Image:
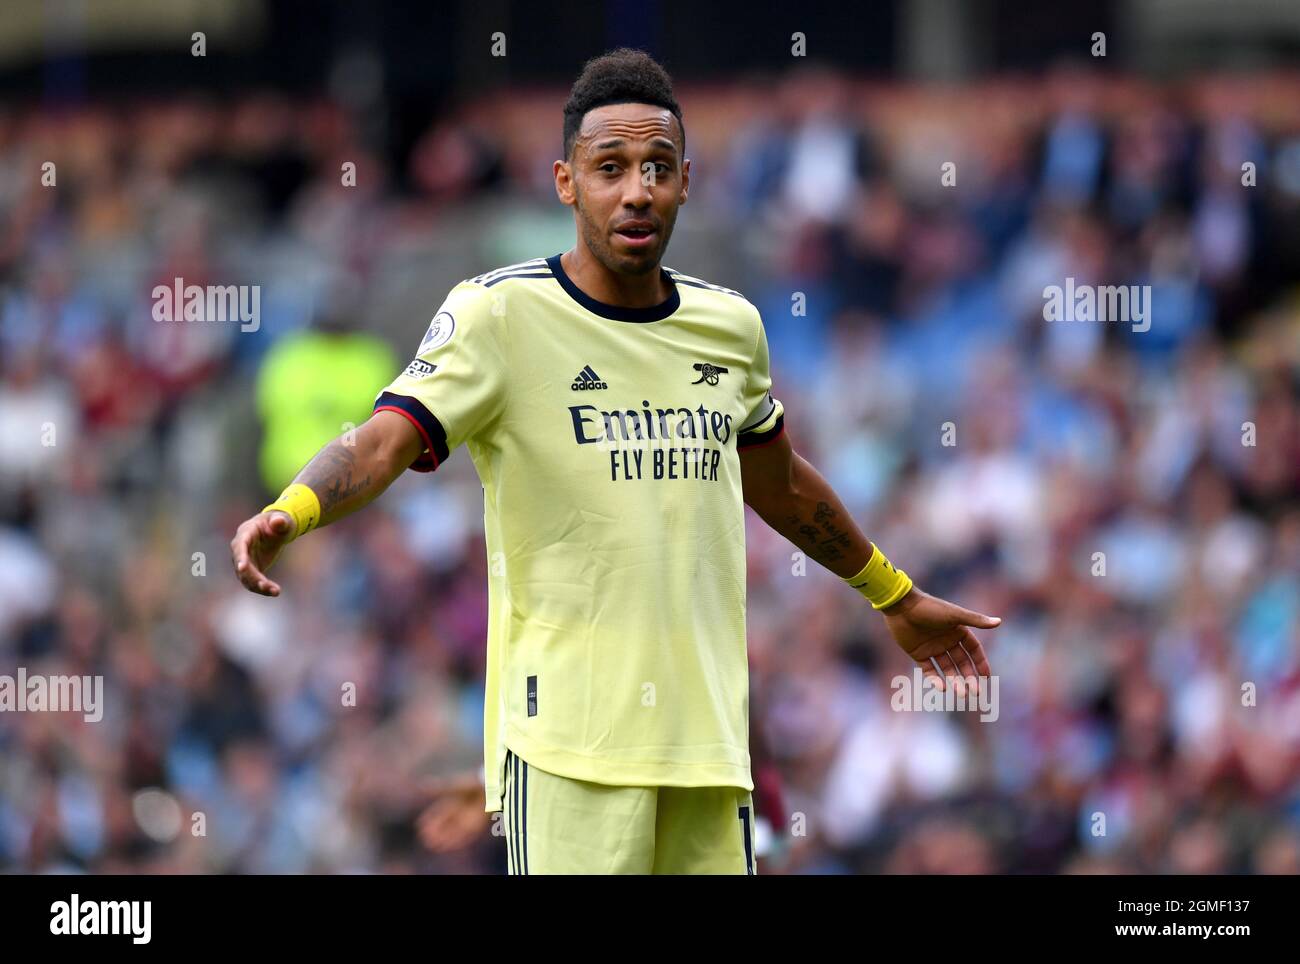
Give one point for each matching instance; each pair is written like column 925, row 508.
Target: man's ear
column 564, row 182
column 686, row 180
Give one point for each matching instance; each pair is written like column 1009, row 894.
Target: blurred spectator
column 1126, row 500
column 314, row 384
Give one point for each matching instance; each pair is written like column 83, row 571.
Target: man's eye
column 608, row 167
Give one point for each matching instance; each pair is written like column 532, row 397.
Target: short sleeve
column 454, row 389
column 764, row 415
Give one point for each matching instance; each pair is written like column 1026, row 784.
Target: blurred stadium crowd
column 894, row 304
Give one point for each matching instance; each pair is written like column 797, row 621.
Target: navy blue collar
column 616, row 312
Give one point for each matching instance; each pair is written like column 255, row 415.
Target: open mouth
column 636, row 235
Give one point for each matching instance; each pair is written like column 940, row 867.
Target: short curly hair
column 622, row 76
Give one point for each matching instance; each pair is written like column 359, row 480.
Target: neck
column 622, row 290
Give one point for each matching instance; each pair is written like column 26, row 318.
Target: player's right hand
column 256, row 544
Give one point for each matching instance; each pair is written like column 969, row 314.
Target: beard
column 600, row 245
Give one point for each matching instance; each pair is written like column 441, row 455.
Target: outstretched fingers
column 929, row 671
column 243, row 553
column 970, row 642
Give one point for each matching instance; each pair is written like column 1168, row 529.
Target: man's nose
column 636, row 192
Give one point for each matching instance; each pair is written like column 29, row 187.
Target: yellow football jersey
column 606, row 439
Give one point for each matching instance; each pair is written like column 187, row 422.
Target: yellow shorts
column 556, row 825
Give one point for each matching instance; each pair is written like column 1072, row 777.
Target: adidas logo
column 587, row 381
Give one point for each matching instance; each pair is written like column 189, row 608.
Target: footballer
column 620, row 416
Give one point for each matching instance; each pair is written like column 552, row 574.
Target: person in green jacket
column 314, row 385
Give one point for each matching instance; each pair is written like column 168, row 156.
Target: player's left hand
column 927, row 627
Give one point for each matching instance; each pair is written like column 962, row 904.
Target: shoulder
column 532, row 269
column 729, row 302
column 717, row 296
column 689, row 281
column 477, row 301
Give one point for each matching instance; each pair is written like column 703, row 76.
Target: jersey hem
column 623, row 773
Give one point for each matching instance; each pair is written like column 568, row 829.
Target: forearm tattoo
column 331, row 476
column 820, row 536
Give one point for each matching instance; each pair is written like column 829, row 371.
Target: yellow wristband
column 879, row 581
column 303, row 507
